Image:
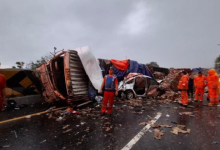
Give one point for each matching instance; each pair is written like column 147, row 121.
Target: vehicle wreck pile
column 159, row 75
column 76, row 75
column 170, row 83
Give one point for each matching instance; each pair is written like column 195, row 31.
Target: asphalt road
column 89, row 130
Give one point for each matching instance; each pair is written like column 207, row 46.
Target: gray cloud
column 173, row 33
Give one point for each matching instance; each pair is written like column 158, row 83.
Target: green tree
column 20, row 64
column 13, row 67
column 153, row 64
column 37, row 63
column 217, row 64
column 43, row 59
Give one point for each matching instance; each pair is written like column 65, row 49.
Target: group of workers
column 200, row 82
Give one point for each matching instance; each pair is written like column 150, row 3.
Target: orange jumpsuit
column 183, row 85
column 109, row 94
column 200, row 83
column 213, row 83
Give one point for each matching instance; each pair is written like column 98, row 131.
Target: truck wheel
column 129, row 95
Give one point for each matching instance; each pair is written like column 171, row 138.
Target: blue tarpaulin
column 134, row 67
column 196, row 69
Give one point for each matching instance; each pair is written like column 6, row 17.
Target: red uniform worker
column 2, row 90
column 183, row 86
column 200, row 82
column 110, row 83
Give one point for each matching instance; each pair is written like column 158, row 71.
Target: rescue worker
column 110, row 85
column 200, row 82
column 183, row 86
column 213, row 84
column 191, row 85
column 2, row 90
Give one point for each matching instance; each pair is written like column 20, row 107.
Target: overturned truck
column 67, row 76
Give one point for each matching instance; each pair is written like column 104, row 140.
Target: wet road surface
column 89, row 130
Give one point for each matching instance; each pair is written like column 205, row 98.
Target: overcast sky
column 173, row 33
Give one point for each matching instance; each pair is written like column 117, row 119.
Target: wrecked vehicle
column 63, row 78
column 137, row 85
column 68, row 76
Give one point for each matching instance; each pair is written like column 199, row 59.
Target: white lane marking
column 141, row 133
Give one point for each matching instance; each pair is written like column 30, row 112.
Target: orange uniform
column 2, row 87
column 213, row 83
column 183, row 85
column 200, row 82
column 110, row 82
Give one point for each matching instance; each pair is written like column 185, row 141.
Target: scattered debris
column 7, row 146
column 180, row 129
column 74, row 112
column 215, row 142
column 70, row 110
column 190, row 106
column 108, row 129
column 59, row 119
column 174, row 122
column 65, row 127
column 28, row 116
column 15, row 134
column 50, row 109
column 166, row 126
column 155, row 125
column 87, row 129
column 168, row 115
column 43, row 141
column 107, row 123
column 144, row 123
column 99, row 98
column 158, row 134
column 139, row 113
column 82, row 123
column 182, row 107
column 50, row 116
column 150, row 117
column 67, row 131
column 186, row 113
